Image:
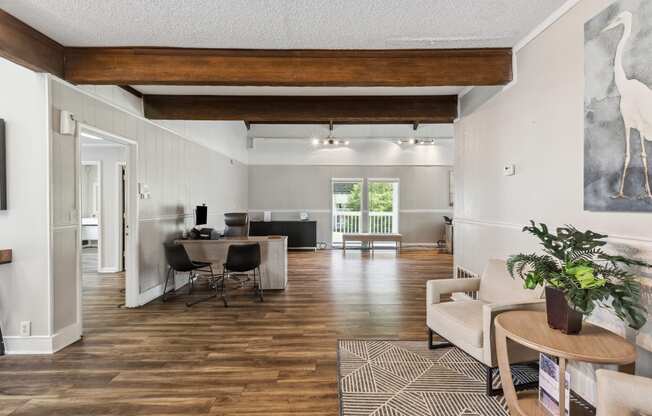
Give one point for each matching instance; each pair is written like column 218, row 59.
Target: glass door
column 346, row 207
column 383, row 206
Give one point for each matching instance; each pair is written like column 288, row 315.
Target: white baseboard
column 157, row 291
column 65, row 337
column 36, row 344
column 42, row 344
column 109, row 270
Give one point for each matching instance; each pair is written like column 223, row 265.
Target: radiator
column 462, row 273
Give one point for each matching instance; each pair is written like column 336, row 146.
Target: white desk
column 273, row 253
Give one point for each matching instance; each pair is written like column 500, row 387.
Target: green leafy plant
column 575, row 263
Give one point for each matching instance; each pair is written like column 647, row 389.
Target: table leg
column 562, row 386
column 344, row 245
column 505, row 371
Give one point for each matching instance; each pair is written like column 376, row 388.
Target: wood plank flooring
column 271, row 358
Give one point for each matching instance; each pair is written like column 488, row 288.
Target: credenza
column 301, row 234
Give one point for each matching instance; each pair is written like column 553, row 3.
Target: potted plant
column 578, row 276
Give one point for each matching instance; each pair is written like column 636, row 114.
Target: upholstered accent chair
column 623, row 394
column 469, row 324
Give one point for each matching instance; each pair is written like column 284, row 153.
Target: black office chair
column 179, row 261
column 242, row 258
column 237, row 224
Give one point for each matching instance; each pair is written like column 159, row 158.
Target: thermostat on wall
column 509, row 170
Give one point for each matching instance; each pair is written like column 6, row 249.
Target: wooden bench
column 371, row 238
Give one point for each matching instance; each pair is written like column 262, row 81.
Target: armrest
column 489, row 313
column 436, row 288
column 623, row 394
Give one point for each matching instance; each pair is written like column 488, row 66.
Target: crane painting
column 618, row 108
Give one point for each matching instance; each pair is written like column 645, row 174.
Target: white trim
column 327, row 211
column 501, row 224
column 66, row 336
column 108, row 270
column 42, row 344
column 138, row 116
column 334, row 164
column 427, row 211
column 36, row 344
column 550, row 20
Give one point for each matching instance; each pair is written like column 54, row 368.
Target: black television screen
column 201, row 215
column 3, row 167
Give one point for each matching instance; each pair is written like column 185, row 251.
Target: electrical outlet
column 25, row 328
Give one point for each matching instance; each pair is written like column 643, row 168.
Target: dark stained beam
column 28, row 47
column 304, row 109
column 131, row 90
column 178, row 66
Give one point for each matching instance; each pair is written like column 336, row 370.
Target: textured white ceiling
column 284, row 24
column 227, row 90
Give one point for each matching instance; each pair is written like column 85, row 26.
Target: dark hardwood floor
column 271, row 358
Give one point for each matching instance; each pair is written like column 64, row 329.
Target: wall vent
column 462, row 273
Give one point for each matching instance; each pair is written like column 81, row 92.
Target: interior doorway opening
column 107, row 192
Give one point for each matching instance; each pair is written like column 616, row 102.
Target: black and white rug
column 405, row 378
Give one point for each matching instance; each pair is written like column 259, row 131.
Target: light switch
column 509, row 170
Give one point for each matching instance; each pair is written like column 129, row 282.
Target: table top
column 593, row 344
column 223, row 240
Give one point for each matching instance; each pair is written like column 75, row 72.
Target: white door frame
column 131, row 262
column 332, row 208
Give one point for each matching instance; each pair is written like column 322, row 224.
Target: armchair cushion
column 623, row 394
column 497, row 286
column 458, row 321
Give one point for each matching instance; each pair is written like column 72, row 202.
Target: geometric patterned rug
column 405, row 378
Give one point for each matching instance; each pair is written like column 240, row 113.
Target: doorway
column 109, row 264
column 346, row 207
column 383, row 197
column 364, row 205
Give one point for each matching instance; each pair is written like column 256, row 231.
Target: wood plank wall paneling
column 398, row 68
column 303, row 109
column 30, row 48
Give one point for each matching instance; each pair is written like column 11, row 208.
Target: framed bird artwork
column 618, row 108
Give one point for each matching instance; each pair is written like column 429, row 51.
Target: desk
column 530, row 328
column 273, row 252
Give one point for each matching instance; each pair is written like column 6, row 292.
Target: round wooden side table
column 530, row 329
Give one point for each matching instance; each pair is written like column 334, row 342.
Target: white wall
column 369, row 145
column 179, row 173
column 226, row 137
column 109, row 156
column 289, row 190
column 538, row 125
column 24, row 288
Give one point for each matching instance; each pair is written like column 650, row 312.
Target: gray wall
column 288, row 190
column 538, row 124
column 180, row 174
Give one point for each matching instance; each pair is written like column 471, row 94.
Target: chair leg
column 490, row 383
column 433, row 346
column 191, row 286
column 260, row 285
column 165, row 293
column 224, row 294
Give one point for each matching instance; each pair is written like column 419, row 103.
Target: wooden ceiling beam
column 364, row 68
column 28, row 47
column 304, row 109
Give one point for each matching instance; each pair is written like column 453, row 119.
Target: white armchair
column 623, row 394
column 469, row 324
